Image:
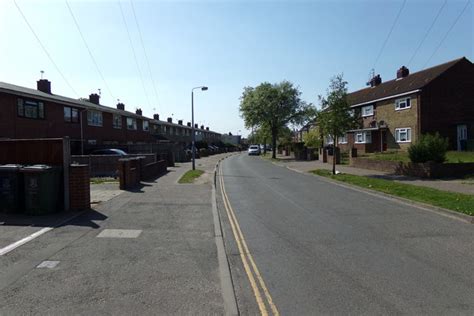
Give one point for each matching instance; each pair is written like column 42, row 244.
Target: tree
column 272, row 107
column 312, row 138
column 336, row 117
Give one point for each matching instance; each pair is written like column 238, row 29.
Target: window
column 329, row 140
column 131, row 123
column 367, row 110
column 343, row 139
column 30, row 109
column 402, row 104
column 117, row 121
column 145, row 126
column 94, row 118
column 403, row 135
column 71, row 115
column 363, row 137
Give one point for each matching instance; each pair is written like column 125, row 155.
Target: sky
column 225, row 45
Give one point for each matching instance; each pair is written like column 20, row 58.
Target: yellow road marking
column 241, row 243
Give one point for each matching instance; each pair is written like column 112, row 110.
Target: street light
column 203, row 88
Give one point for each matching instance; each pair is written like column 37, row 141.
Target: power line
column 134, row 54
column 389, row 33
column 44, row 49
column 427, row 32
column 144, row 50
column 88, row 49
column 447, row 33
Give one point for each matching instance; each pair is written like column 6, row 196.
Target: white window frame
column 131, row 123
column 117, row 121
column 94, row 118
column 145, row 126
column 406, row 130
column 366, row 137
column 365, row 108
column 405, row 101
column 329, row 140
column 342, row 139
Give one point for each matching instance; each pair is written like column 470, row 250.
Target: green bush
column 429, row 148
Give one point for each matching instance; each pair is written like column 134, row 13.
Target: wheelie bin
column 42, row 189
column 11, row 186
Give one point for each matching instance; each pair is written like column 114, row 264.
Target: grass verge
column 451, row 156
column 462, row 203
column 190, row 176
column 103, row 180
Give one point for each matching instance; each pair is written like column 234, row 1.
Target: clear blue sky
column 225, row 45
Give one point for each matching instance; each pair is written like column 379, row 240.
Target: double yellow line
column 247, row 260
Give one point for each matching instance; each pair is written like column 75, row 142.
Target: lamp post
column 203, row 88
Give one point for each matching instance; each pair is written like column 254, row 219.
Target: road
column 317, row 247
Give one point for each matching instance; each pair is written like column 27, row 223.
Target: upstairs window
column 94, row 118
column 329, row 140
column 71, row 115
column 343, row 139
column 146, row 126
column 131, row 123
column 30, row 109
column 367, row 110
column 402, row 104
column 117, row 121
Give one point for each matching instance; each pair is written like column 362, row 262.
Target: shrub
column 429, row 148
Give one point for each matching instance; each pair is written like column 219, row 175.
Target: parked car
column 254, row 150
column 110, row 151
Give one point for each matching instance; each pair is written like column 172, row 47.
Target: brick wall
column 79, row 184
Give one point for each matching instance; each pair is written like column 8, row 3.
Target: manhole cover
column 119, row 233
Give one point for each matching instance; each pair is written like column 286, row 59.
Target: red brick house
column 30, row 113
column 394, row 113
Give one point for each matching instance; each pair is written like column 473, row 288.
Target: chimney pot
column 402, row 72
column 120, row 106
column 202, row 126
column 180, row 122
column 196, row 126
column 189, row 124
column 170, row 120
column 375, row 81
column 156, row 117
column 207, row 128
column 44, row 85
column 94, row 98
column 138, row 112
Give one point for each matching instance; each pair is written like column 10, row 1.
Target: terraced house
column 38, row 113
column 393, row 114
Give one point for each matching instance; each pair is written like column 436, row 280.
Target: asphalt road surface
column 314, row 247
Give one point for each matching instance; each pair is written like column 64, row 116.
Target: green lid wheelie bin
column 10, row 188
column 42, row 189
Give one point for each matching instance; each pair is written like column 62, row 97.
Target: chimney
column 207, row 128
column 94, row 98
column 138, row 112
column 156, row 117
column 189, row 124
column 375, row 81
column 120, row 106
column 402, row 72
column 202, row 126
column 180, row 122
column 44, row 85
column 170, row 120
column 196, row 126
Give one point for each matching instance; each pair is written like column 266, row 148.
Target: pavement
column 149, row 251
column 453, row 185
column 321, row 248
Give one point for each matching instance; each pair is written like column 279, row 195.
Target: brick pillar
column 122, row 167
column 352, row 154
column 79, row 187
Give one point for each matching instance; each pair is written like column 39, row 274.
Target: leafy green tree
column 272, row 107
column 312, row 138
column 429, row 148
column 336, row 117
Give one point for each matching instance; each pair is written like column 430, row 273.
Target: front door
column 462, row 137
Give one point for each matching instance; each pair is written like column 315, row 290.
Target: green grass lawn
column 451, row 156
column 458, row 202
column 190, row 176
column 103, row 180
